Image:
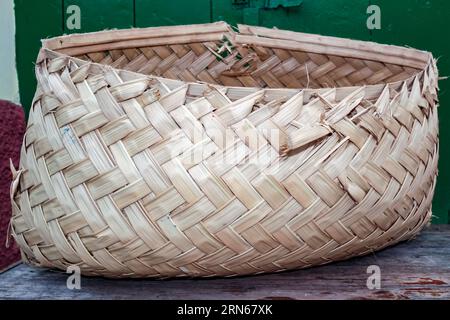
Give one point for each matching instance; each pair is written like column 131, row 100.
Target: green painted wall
column 164, row 12
column 35, row 20
column 417, row 23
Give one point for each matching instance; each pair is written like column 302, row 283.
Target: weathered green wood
column 336, row 18
column 164, row 12
column 226, row 11
column 35, row 20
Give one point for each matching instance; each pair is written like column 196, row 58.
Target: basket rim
column 371, row 92
column 80, row 43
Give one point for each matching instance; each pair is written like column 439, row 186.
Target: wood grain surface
column 417, row 269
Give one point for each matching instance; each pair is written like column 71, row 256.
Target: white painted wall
column 9, row 88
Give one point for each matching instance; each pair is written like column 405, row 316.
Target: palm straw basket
column 202, row 151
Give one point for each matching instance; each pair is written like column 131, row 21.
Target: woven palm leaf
column 203, row 151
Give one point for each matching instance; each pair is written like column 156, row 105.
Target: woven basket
column 203, row 151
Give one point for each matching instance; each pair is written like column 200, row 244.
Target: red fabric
column 12, row 129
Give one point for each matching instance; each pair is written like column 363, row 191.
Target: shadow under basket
column 203, row 151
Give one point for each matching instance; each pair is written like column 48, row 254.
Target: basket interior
column 251, row 57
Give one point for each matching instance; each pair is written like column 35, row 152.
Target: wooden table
column 418, row 269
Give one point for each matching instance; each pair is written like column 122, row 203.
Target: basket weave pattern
column 131, row 175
